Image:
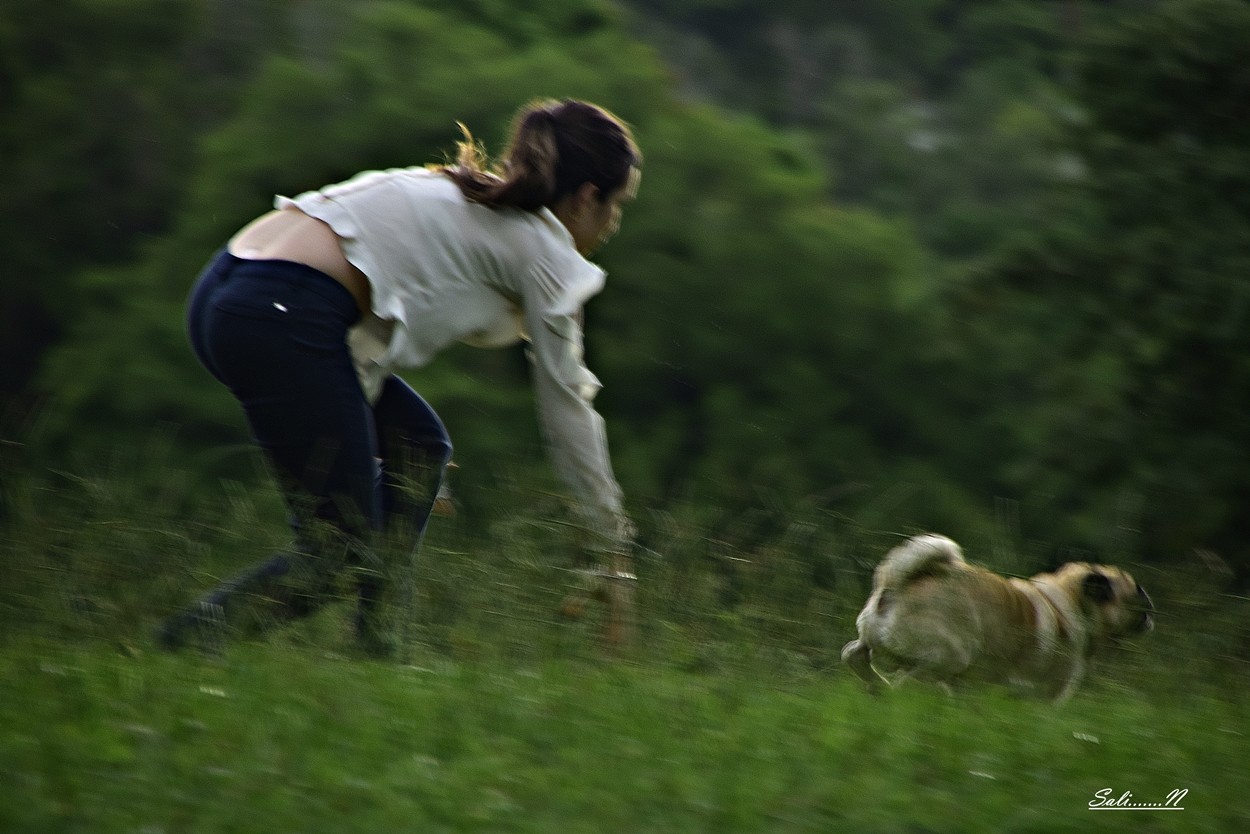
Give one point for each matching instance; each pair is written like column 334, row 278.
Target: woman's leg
column 415, row 449
column 275, row 333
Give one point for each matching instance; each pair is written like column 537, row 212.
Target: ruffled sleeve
column 565, row 390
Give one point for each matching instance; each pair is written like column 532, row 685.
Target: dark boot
column 373, row 636
column 286, row 587
column 202, row 621
column 407, row 510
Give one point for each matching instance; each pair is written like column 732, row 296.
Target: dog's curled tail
column 919, row 556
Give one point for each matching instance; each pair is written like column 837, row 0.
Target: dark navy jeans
column 274, row 332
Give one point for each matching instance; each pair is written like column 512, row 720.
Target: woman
column 309, row 308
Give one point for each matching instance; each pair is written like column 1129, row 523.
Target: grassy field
column 275, row 738
column 730, row 714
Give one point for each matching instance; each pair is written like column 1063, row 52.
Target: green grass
column 280, row 739
column 730, row 714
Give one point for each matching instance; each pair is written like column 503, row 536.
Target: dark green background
column 972, row 266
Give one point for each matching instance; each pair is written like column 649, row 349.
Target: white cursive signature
column 1104, row 801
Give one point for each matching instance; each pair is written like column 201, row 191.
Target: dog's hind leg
column 858, row 656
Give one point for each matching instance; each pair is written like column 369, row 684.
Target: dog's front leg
column 1075, row 676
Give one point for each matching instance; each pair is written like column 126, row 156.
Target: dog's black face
column 1123, row 605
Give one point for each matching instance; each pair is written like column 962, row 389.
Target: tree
column 99, row 104
column 1129, row 313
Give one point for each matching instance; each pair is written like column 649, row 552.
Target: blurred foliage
column 1129, row 310
column 972, row 266
column 102, row 103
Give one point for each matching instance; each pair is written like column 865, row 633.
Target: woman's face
column 591, row 218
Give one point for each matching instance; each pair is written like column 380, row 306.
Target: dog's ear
column 1097, row 587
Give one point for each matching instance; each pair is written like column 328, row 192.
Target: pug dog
column 933, row 616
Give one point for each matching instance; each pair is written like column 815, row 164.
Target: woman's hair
column 555, row 147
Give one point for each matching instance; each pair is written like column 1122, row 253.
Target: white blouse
column 444, row 269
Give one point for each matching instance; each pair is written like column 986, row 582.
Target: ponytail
column 555, row 147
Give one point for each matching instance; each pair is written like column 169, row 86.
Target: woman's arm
column 564, row 390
